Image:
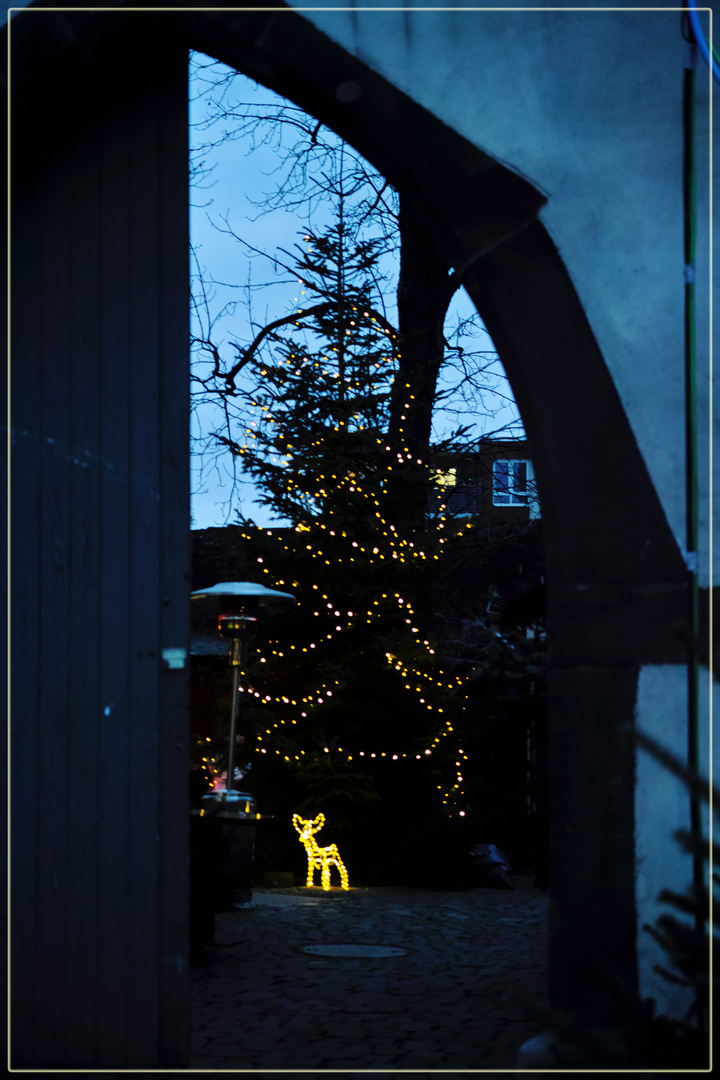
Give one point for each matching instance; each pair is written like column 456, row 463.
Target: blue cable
column 700, row 38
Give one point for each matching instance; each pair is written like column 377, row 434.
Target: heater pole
column 238, row 656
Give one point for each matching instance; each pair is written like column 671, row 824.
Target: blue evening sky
column 241, row 174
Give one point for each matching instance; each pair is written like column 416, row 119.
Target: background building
column 497, row 482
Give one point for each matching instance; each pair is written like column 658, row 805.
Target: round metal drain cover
column 352, row 950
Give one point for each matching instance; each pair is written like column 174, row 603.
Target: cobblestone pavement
column 260, row 1003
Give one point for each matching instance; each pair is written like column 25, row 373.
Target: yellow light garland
column 403, row 550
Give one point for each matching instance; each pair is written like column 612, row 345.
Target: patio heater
column 239, row 604
column 223, row 830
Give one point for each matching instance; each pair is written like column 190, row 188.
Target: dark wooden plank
column 84, row 642
column 25, row 599
column 53, row 662
column 175, row 562
column 143, row 630
column 114, row 764
column 55, row 669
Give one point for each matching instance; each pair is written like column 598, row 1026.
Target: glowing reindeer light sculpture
column 319, row 858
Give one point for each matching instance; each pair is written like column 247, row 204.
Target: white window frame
column 516, row 492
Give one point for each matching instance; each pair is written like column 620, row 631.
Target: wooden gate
column 99, row 547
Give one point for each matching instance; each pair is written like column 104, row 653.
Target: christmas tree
column 345, row 706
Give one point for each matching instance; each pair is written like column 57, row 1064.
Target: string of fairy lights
column 431, row 691
column 405, row 550
column 401, row 549
column 298, row 365
column 418, row 683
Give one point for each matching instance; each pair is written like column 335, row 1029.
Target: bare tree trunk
column 424, row 292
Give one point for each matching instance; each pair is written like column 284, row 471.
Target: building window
column 446, row 479
column 512, row 483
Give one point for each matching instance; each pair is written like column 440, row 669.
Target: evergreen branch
column 684, row 903
column 229, row 443
column 668, row 975
column 701, row 844
column 695, row 783
column 246, row 355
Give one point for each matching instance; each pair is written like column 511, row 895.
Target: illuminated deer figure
column 319, row 858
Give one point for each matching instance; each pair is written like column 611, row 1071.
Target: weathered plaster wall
column 587, row 106
column 661, row 807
